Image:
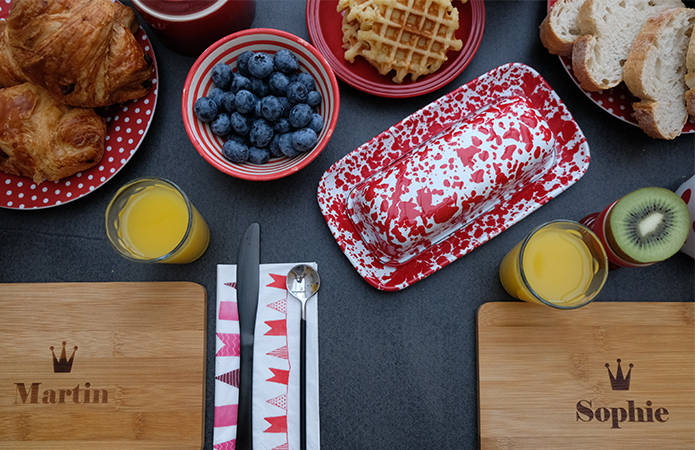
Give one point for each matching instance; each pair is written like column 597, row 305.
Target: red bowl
column 199, row 83
column 196, row 24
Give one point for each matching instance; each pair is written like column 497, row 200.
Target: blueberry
column 307, row 80
column 304, row 139
column 314, row 98
column 278, row 83
column 222, row 75
column 261, row 133
column 240, row 82
column 286, row 147
column 243, row 140
column 205, row 109
column 243, row 61
column 221, row 125
column 287, row 106
column 259, row 87
column 240, row 123
column 285, row 61
column 273, row 147
column 297, row 92
column 317, row 123
column 259, row 155
column 216, row 95
column 282, row 125
column 257, row 110
column 260, row 65
column 271, row 109
column 300, row 115
column 235, row 151
column 245, row 101
column 227, row 102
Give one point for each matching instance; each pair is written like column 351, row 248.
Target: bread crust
column 636, row 71
column 689, row 77
column 553, row 43
column 551, row 29
column 593, row 28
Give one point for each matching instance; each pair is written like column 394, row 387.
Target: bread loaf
column 655, row 70
column 608, row 29
column 560, row 29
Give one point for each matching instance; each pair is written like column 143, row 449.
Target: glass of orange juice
column 560, row 263
column 152, row 220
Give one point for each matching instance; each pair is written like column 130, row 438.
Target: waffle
column 407, row 36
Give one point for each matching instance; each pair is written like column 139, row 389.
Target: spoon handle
column 303, row 384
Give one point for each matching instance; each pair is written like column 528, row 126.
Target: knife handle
column 303, row 384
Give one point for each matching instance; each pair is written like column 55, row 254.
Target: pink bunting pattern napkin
column 276, row 392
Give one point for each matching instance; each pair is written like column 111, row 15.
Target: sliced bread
column 655, row 71
column 559, row 28
column 689, row 78
column 608, row 29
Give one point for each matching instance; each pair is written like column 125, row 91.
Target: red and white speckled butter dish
column 441, row 118
column 451, row 179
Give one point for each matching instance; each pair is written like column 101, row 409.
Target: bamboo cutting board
column 130, row 375
column 550, row 379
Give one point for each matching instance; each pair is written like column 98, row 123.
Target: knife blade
column 247, row 305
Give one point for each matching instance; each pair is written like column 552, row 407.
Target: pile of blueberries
column 266, row 109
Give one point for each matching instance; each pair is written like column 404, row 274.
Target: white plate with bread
column 630, row 57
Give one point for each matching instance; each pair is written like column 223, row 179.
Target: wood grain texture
column 137, row 380
column 536, row 364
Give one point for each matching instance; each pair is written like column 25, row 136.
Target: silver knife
column 247, row 304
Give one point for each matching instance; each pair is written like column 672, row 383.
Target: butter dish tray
column 509, row 80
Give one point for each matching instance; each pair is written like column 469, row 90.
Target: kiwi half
column 648, row 225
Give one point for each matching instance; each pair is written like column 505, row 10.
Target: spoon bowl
column 303, row 283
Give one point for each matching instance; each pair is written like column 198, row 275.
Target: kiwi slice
column 648, row 225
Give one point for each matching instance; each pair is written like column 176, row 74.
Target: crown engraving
column 63, row 365
column 619, row 382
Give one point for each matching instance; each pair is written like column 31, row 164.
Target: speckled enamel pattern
column 451, row 179
column 514, row 79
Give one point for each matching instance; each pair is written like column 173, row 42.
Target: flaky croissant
column 10, row 72
column 81, row 51
column 42, row 138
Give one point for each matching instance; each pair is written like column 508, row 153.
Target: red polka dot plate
column 617, row 101
column 126, row 124
column 324, row 26
column 504, row 82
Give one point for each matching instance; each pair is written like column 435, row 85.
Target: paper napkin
column 276, row 391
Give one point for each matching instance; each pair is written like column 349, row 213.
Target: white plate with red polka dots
column 617, row 101
column 126, row 126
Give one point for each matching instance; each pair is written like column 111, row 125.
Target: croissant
column 42, row 138
column 10, row 72
column 83, row 52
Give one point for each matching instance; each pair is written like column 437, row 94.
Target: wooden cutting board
column 545, row 376
column 132, row 375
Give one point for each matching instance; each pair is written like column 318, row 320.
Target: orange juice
column 152, row 220
column 560, row 263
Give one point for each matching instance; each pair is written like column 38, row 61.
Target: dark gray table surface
column 397, row 369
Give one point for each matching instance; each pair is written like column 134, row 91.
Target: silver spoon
column 303, row 282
